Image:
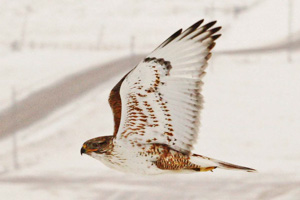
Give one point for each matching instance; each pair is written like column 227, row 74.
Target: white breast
column 130, row 161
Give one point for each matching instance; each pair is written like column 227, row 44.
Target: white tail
column 211, row 163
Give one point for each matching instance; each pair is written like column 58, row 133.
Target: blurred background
column 59, row 60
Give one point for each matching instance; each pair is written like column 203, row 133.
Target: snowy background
column 59, row 60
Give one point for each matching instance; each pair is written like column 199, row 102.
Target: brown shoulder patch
column 116, row 104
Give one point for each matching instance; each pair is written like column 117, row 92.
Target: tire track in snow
column 42, row 103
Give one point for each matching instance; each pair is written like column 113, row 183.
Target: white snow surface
column 251, row 113
column 264, row 24
column 250, row 118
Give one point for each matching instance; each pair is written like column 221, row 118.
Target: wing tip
column 180, row 34
column 214, row 30
column 171, row 38
column 209, row 25
column 215, row 37
column 197, row 24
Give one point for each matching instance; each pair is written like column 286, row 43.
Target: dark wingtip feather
column 214, row 30
column 176, row 34
column 191, row 28
column 197, row 24
column 208, row 25
column 214, row 37
column 172, row 37
column 205, row 27
column 180, row 35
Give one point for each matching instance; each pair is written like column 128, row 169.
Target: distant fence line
column 17, row 45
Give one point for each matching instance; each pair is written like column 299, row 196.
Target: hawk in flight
column 156, row 108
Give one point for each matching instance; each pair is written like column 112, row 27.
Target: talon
column 208, row 169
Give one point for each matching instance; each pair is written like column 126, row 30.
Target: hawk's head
column 98, row 145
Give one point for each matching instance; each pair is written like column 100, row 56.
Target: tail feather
column 206, row 162
column 226, row 165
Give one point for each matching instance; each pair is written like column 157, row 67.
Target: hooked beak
column 84, row 150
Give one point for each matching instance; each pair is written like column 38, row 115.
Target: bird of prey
column 156, row 108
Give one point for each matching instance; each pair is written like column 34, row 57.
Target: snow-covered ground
column 251, row 114
column 265, row 24
column 251, row 118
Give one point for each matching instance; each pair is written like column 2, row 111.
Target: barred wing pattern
column 161, row 98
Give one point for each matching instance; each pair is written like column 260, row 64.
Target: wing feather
column 161, row 97
column 115, row 103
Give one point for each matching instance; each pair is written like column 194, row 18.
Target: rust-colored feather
column 116, row 104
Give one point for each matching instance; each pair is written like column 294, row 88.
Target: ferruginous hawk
column 156, row 109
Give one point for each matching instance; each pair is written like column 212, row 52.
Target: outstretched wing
column 161, row 98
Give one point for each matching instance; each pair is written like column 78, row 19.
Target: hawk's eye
column 95, row 145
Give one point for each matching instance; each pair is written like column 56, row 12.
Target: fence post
column 290, row 37
column 25, row 26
